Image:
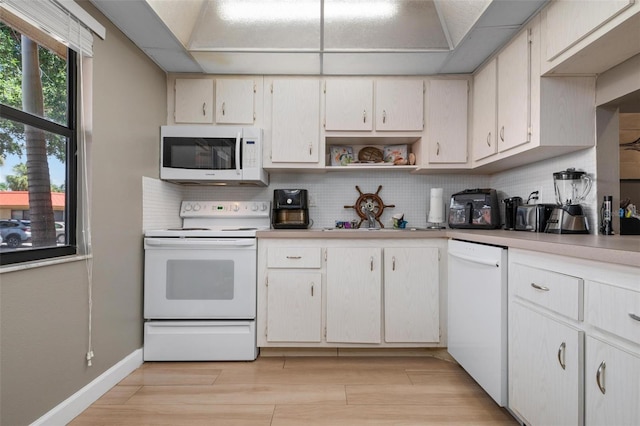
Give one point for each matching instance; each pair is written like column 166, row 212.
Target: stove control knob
column 263, row 206
column 196, row 207
column 187, row 207
column 254, row 207
column 235, row 208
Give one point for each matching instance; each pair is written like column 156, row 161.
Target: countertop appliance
column 474, row 208
column 477, row 314
column 510, row 210
column 200, row 283
column 568, row 217
column 203, row 154
column 533, row 217
column 290, row 209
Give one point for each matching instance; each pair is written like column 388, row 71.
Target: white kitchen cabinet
column 545, row 368
column 193, row 100
column 546, row 294
column 447, row 121
column 354, row 294
column 514, row 92
column 295, row 121
column 349, row 104
column 411, row 294
column 612, row 385
column 235, row 101
column 537, row 117
column 294, row 306
column 484, row 142
column 399, row 105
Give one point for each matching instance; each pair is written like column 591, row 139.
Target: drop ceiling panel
column 383, row 63
column 258, row 63
column 258, row 25
column 376, row 24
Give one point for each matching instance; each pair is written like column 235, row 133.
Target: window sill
column 43, row 263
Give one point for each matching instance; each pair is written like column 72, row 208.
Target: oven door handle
column 197, row 243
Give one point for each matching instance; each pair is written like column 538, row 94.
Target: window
column 37, row 141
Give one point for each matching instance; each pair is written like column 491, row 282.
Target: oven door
column 202, row 278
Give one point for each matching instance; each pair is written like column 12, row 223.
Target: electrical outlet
column 312, row 201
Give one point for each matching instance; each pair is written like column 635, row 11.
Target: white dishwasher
column 477, row 314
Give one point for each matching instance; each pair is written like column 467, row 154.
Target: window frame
column 71, row 175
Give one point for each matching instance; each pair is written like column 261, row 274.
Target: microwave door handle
column 238, row 141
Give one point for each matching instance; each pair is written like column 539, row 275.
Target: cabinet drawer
column 613, row 309
column 552, row 290
column 294, row 257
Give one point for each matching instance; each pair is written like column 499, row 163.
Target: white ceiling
column 319, row 37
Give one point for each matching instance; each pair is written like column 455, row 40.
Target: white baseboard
column 68, row 409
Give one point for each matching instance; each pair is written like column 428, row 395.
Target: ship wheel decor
column 370, row 202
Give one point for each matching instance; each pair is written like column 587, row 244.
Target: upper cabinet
column 349, row 104
column 235, row 101
column 537, row 117
column 193, row 100
column 399, row 105
column 447, row 121
column 589, row 37
column 293, row 113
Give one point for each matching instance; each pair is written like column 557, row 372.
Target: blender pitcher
column 571, row 186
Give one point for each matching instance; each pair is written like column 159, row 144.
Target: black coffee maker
column 290, row 209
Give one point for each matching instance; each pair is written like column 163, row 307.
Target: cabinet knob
column 204, row 108
column 489, row 139
column 364, row 116
column 393, row 263
column 539, row 287
column 384, row 116
column 437, row 148
column 634, row 316
column 223, row 108
column 372, row 263
column 502, row 133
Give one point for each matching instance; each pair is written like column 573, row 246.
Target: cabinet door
column 349, row 104
column 411, row 302
column 295, row 122
column 484, row 141
column 448, row 121
column 354, row 278
column 234, row 101
column 399, row 105
column 193, row 100
column 545, row 369
column 514, row 93
column 612, row 385
column 294, row 306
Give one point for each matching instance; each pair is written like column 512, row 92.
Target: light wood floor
column 298, row 391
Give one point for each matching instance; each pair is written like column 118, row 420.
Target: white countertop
column 618, row 249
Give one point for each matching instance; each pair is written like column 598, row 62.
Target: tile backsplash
column 330, row 192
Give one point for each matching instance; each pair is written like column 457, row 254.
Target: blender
column 568, row 216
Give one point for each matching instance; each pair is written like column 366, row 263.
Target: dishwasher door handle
column 481, row 261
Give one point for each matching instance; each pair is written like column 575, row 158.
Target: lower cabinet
column 341, row 293
column 612, row 385
column 574, row 341
column 294, row 306
column 545, row 368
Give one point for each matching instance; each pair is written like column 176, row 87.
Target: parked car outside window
column 60, row 233
column 14, row 233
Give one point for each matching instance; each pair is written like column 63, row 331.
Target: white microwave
column 212, row 154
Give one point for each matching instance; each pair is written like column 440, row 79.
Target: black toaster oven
column 474, row 208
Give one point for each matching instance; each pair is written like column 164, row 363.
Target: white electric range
column 200, row 283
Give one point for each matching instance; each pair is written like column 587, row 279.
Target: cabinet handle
column 294, row 257
column 223, row 108
column 393, row 263
column 372, row 263
column 634, row 316
column 539, row 287
column 561, row 355
column 384, row 116
column 600, row 377
column 437, row 148
column 489, row 139
column 311, row 289
column 204, row 108
column 502, row 133
column 310, row 149
column 364, row 116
